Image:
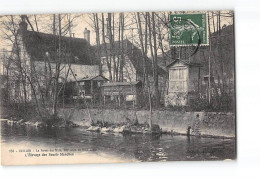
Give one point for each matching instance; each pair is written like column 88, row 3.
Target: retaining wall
column 211, row 123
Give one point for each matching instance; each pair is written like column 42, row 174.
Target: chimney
column 87, row 35
column 23, row 25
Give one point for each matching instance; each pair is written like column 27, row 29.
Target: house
column 184, row 81
column 122, row 61
column 38, row 54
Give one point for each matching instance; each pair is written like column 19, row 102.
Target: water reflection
column 138, row 146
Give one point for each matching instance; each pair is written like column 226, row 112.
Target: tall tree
column 97, row 30
column 57, row 69
column 144, row 51
column 155, row 64
column 107, row 60
column 122, row 59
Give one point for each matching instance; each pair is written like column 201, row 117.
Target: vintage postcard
column 117, row 87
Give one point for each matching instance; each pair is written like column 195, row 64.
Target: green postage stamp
column 188, row 29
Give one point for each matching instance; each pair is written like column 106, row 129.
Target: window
column 81, row 83
column 178, row 80
column 82, row 93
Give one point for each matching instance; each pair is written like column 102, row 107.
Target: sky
column 84, row 21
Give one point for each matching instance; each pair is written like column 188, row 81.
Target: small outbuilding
column 88, row 87
column 183, row 82
column 120, row 92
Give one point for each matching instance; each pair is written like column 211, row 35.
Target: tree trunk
column 144, row 65
column 57, row 72
column 96, row 23
column 155, row 65
column 122, row 61
column 105, row 45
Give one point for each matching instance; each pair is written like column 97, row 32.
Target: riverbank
column 211, row 124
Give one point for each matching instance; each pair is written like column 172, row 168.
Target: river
column 127, row 148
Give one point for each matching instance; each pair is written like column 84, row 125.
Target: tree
column 155, row 64
column 144, row 51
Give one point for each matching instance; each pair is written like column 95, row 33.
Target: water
column 138, row 147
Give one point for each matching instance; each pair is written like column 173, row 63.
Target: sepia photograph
column 117, row 87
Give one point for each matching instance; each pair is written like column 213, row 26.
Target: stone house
column 38, row 59
column 78, row 61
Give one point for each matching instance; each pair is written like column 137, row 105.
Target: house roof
column 93, row 78
column 121, row 83
column 41, row 46
column 134, row 54
column 185, row 62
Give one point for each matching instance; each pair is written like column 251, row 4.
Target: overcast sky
column 83, row 21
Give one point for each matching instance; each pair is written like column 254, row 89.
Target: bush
column 198, row 104
column 20, row 111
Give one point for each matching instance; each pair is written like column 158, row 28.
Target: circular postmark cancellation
column 188, row 30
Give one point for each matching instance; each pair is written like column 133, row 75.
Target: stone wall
column 211, row 123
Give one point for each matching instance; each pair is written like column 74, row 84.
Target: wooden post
column 199, row 81
column 125, row 100
column 209, row 80
column 91, row 90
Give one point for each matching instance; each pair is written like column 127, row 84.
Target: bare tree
column 97, row 30
column 144, row 51
column 155, row 64
column 108, row 61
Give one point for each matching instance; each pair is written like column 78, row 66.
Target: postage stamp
column 188, row 29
